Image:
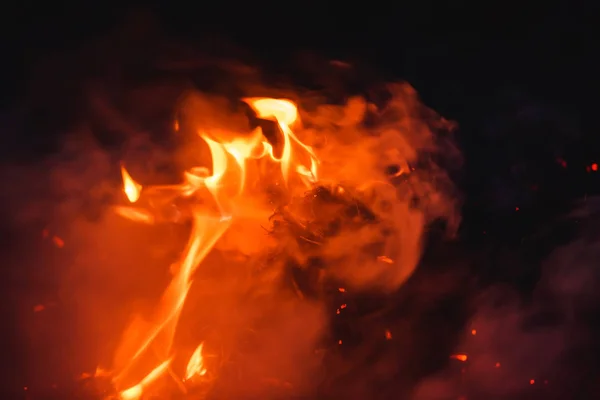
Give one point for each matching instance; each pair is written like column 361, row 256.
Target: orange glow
column 58, row 242
column 224, row 189
column 473, row 332
column 385, row 259
column 388, row 334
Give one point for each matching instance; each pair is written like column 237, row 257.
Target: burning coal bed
column 325, row 207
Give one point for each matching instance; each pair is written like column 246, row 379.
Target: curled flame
column 225, row 186
column 285, row 113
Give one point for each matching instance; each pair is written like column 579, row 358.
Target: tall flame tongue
column 225, row 186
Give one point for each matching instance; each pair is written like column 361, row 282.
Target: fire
column 224, row 189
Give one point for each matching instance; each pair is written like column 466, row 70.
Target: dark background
column 520, row 79
column 517, row 77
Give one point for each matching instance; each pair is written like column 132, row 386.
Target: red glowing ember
column 459, row 357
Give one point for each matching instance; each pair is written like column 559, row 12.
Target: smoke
column 365, row 141
column 537, row 346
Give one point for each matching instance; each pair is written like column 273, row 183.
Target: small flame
column 195, row 366
column 132, row 188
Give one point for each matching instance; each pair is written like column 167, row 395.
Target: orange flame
column 132, row 189
column 225, row 186
column 196, row 364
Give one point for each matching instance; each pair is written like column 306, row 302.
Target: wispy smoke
column 533, row 347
